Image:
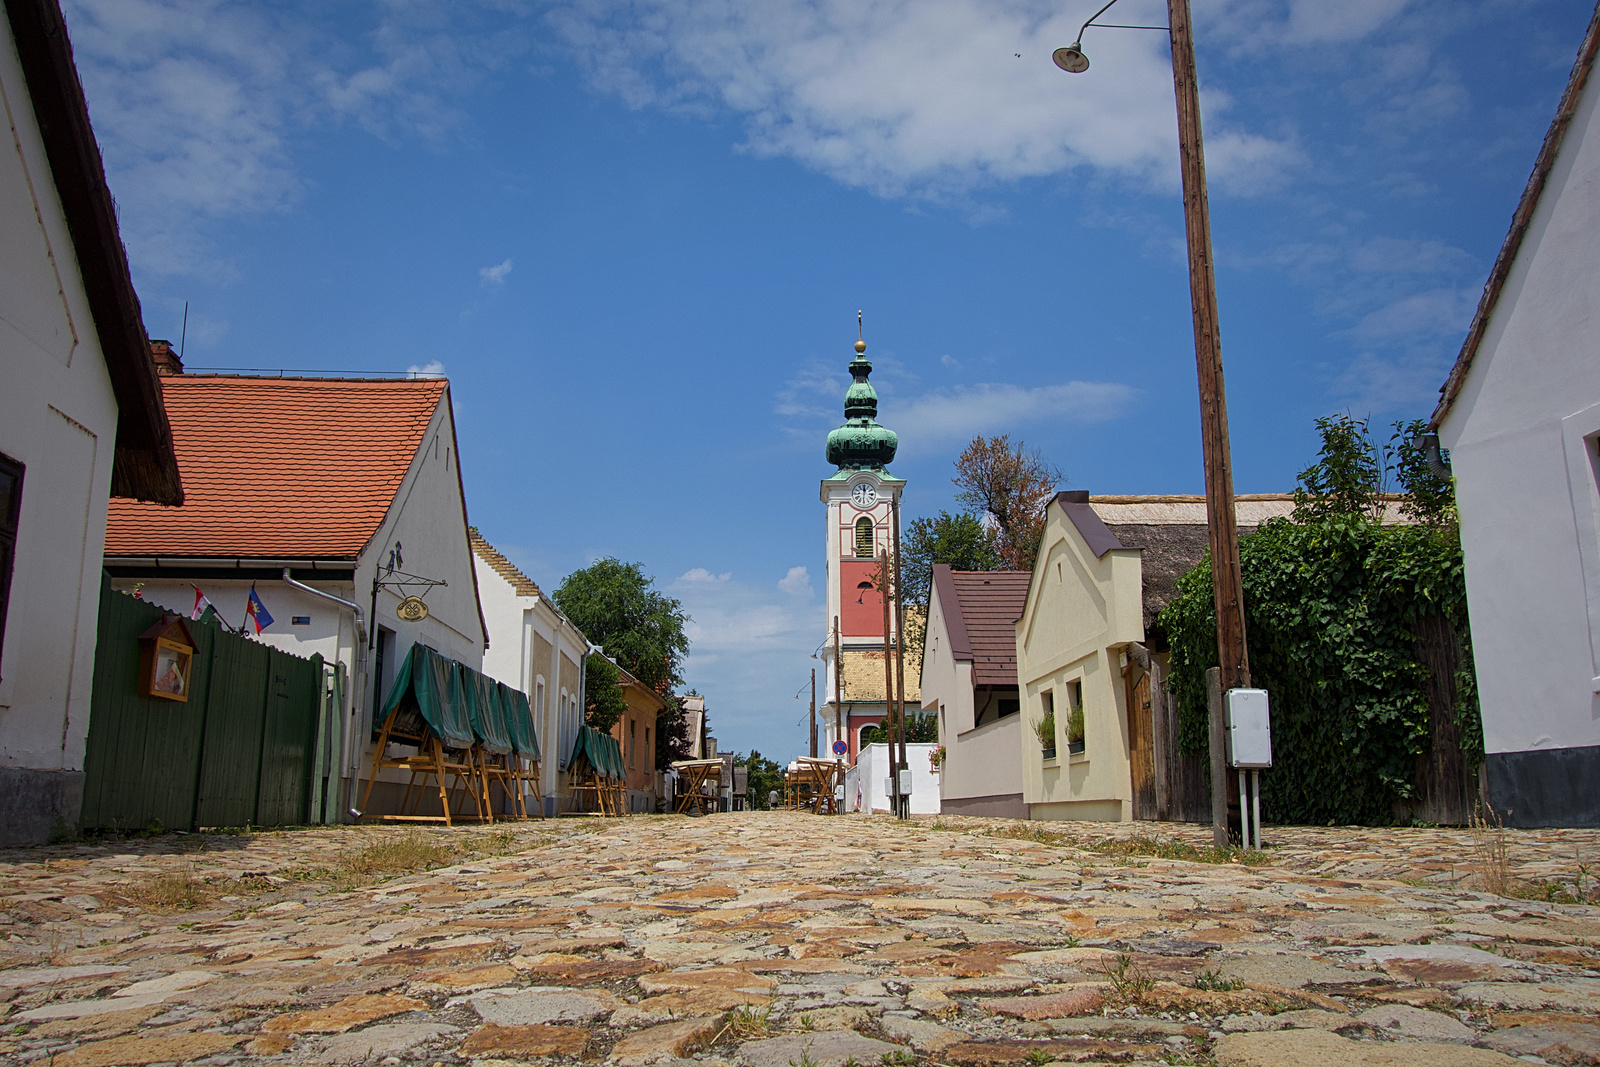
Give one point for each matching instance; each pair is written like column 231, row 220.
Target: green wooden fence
column 240, row 752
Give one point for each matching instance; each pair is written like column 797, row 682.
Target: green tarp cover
column 431, row 680
column 519, row 721
column 601, row 750
column 485, row 709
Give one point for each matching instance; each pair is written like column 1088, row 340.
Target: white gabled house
column 536, row 649
column 1520, row 416
column 80, row 418
column 343, row 498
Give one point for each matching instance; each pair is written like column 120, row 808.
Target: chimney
column 166, row 360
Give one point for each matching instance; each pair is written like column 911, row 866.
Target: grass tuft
column 1129, row 982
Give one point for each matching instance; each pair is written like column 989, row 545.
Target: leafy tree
column 1012, row 485
column 617, row 607
column 765, row 777
column 1348, row 476
column 960, row 541
column 1429, row 497
column 602, row 693
column 672, row 733
column 1352, row 473
column 922, row 727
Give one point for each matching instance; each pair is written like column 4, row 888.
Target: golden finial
column 861, row 345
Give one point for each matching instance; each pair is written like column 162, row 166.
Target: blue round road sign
column 840, row 748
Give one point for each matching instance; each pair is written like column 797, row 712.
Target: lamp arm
column 1094, row 16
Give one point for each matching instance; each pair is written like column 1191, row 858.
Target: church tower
column 859, row 498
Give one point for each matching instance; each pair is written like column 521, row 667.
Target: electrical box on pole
column 1249, row 723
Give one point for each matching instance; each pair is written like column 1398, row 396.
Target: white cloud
column 197, row 104
column 925, row 98
column 959, row 414
column 750, row 647
column 495, row 275
column 1261, row 23
column 1427, row 314
column 949, row 361
column 700, row 574
column 431, row 369
column 796, row 583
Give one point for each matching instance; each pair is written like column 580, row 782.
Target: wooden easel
column 824, row 775
column 433, row 759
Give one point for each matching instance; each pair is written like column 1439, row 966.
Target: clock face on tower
column 864, row 495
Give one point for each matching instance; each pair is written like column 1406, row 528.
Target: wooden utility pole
column 888, row 681
column 1227, row 586
column 899, row 653
column 813, row 713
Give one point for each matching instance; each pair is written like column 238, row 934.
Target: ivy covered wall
column 1341, row 610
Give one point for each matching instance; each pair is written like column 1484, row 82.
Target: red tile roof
column 304, row 468
column 990, row 603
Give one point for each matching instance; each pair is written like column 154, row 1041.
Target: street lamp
column 1227, row 586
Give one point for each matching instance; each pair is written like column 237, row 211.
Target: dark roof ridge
column 1520, row 219
column 954, row 622
column 144, row 465
column 1074, row 503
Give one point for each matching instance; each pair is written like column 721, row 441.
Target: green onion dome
column 861, row 444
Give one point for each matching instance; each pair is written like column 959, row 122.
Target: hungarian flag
column 256, row 612
column 201, row 602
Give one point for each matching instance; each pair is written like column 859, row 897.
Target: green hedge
column 1331, row 609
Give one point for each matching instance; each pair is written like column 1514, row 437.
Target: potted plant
column 936, row 758
column 1075, row 731
column 1046, row 729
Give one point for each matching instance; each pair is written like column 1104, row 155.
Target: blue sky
column 635, row 235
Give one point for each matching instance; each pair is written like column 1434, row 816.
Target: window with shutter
column 864, row 545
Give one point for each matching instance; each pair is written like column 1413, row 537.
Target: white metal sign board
column 1249, row 728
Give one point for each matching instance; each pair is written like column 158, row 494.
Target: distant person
column 772, row 798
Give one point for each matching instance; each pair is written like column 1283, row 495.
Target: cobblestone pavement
column 778, row 939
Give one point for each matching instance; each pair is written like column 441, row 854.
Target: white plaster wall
column 1526, row 490
column 979, row 762
column 870, row 775
column 508, row 657
column 513, row 620
column 58, row 417
column 1081, row 612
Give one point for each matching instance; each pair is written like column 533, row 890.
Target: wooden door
column 1141, row 747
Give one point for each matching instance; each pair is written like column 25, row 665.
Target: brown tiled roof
column 520, row 583
column 1521, row 218
column 279, row 467
column 990, row 603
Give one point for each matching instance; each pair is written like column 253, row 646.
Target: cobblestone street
column 778, row 939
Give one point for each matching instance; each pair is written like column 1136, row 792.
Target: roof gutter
column 229, row 563
column 361, row 626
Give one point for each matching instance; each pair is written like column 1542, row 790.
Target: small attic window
column 864, row 544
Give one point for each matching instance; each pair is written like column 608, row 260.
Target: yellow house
column 1084, row 609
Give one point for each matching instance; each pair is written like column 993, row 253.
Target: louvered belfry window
column 864, row 545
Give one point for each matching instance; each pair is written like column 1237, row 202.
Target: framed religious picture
column 166, row 659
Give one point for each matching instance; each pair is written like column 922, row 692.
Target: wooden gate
column 239, row 752
column 1141, row 742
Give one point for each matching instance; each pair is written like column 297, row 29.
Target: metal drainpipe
column 341, row 601
column 1435, row 458
column 356, row 660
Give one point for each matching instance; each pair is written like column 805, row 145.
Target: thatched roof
column 1171, row 532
